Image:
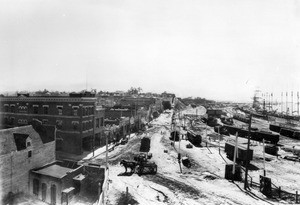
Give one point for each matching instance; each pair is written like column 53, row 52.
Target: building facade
column 78, row 119
column 23, row 149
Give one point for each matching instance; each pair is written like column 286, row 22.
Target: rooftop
column 54, row 170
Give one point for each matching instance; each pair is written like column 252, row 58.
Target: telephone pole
column 248, row 154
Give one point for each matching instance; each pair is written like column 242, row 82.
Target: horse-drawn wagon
column 140, row 165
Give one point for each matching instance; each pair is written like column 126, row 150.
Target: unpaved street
column 203, row 183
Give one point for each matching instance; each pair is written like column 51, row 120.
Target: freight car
column 174, row 134
column 286, row 132
column 241, row 118
column 194, row 138
column 267, row 136
column 241, row 152
column 222, row 130
column 233, row 130
column 296, row 135
column 274, row 128
column 255, row 134
column 271, row 149
column 226, row 120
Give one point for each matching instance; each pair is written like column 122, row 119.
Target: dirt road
column 203, row 183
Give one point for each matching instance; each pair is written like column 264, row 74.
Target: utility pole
column 272, row 101
column 106, row 153
column 269, row 101
column 174, row 130
column 94, row 122
column 286, row 103
column 248, row 154
column 234, row 155
column 298, row 102
column 264, row 157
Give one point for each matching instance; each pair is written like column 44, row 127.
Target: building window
column 44, row 191
column 12, row 108
column 22, row 122
column 6, row 120
column 28, row 144
column 29, row 153
column 75, row 111
column 45, row 121
column 6, row 108
column 60, row 109
column 97, row 123
column 36, row 187
column 23, row 109
column 75, row 125
column 46, row 110
column 12, row 120
column 35, row 109
column 101, row 121
column 59, row 124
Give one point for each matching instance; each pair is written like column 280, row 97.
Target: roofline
column 49, row 98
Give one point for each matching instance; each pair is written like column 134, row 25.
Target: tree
column 134, row 91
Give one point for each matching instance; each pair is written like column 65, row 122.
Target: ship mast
column 298, row 102
column 292, row 103
column 281, row 102
column 286, row 103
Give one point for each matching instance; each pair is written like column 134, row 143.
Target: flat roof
column 54, row 170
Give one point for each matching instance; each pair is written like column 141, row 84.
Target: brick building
column 22, row 149
column 137, row 102
column 78, row 119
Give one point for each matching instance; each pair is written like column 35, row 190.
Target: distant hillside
column 196, row 101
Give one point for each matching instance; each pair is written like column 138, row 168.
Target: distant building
column 77, row 118
column 22, row 149
column 137, row 101
column 215, row 112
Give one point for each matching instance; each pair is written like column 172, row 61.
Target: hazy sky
column 218, row 49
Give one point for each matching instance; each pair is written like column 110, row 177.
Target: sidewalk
column 86, row 155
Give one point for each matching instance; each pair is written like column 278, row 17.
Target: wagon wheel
column 140, row 170
column 137, row 168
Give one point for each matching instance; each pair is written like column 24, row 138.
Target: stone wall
column 15, row 167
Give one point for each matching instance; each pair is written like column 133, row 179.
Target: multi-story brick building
column 78, row 119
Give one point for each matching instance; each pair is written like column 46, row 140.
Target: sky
column 221, row 50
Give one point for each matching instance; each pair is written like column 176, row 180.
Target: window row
column 86, row 110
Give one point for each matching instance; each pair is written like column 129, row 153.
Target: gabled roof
column 8, row 142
